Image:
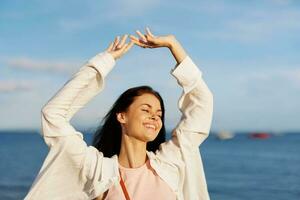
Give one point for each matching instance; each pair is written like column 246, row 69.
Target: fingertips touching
column 142, row 36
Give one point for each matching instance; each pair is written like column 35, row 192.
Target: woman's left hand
column 148, row 40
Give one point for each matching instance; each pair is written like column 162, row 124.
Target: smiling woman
column 130, row 158
column 137, row 115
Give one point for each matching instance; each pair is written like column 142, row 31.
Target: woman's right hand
column 118, row 48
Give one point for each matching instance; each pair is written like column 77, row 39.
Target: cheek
column 136, row 122
column 160, row 124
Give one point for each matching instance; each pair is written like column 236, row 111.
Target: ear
column 121, row 117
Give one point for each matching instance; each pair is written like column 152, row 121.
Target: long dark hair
column 107, row 137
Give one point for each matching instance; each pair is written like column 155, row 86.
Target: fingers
column 124, row 47
column 150, row 37
column 128, row 46
column 120, row 45
column 110, row 46
column 132, row 37
column 121, row 48
column 142, row 36
column 136, row 41
column 116, row 42
column 145, row 41
column 149, row 32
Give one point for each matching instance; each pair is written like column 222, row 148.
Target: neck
column 132, row 153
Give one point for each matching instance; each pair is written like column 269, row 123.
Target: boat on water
column 225, row 135
column 260, row 135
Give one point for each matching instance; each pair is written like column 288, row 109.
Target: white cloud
column 255, row 96
column 290, row 76
column 15, row 85
column 30, row 64
column 293, row 76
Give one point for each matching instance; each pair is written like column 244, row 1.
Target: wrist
column 115, row 57
column 172, row 42
column 177, row 50
column 112, row 55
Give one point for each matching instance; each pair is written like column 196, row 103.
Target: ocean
column 241, row 168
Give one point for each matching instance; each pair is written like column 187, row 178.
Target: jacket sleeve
column 181, row 154
column 72, row 169
column 195, row 104
column 76, row 92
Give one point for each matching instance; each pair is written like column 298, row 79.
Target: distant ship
column 225, row 135
column 259, row 135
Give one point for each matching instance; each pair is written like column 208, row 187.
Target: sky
column 248, row 52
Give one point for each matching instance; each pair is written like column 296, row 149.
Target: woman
column 137, row 164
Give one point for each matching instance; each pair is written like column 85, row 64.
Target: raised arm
column 72, row 170
column 80, row 89
column 181, row 156
column 196, row 102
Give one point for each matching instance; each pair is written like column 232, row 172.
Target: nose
column 154, row 117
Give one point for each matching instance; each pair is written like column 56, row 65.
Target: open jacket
column 73, row 170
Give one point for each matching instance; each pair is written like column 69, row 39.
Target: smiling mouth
column 150, row 126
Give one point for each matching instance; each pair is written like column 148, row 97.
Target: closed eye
column 149, row 111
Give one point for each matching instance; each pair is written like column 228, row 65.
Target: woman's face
column 142, row 120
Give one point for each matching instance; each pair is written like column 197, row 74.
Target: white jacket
column 73, row 170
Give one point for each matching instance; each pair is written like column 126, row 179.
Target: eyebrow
column 159, row 110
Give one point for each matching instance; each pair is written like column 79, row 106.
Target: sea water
column 237, row 169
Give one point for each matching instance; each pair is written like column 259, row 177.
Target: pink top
column 141, row 183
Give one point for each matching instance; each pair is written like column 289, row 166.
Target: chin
column 151, row 138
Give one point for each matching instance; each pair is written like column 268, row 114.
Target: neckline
column 136, row 168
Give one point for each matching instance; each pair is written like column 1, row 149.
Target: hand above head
column 148, row 40
column 151, row 41
column 119, row 47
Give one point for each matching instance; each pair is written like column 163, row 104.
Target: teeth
column 150, row 126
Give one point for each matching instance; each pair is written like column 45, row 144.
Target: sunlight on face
column 143, row 118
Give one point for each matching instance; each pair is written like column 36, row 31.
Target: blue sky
column 248, row 52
